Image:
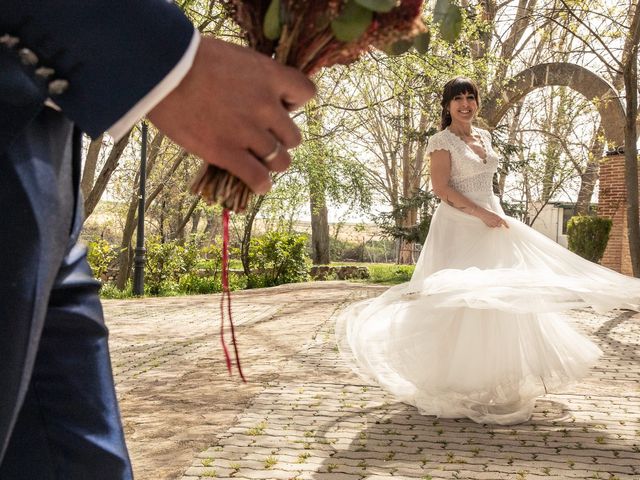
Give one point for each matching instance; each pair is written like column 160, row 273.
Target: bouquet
column 309, row 35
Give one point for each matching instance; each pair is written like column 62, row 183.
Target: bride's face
column 463, row 107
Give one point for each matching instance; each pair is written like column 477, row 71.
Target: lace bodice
column 469, row 173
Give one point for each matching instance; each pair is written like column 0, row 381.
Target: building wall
column 549, row 223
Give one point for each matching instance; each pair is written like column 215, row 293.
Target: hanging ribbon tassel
column 226, row 294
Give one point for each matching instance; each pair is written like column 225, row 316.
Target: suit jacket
column 95, row 59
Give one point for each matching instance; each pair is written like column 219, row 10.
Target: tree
column 91, row 190
column 630, row 73
column 317, row 178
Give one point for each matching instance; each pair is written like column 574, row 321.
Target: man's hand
column 232, row 109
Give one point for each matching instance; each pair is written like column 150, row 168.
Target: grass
column 383, row 273
column 257, row 430
column 270, row 461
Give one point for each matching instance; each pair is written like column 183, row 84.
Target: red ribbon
column 226, row 294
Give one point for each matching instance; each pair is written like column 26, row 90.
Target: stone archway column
column 612, row 203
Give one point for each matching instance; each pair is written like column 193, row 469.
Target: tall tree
column 630, row 73
column 316, row 167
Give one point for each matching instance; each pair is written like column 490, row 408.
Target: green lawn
column 383, row 273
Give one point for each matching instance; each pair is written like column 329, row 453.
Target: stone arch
column 612, row 191
column 596, row 89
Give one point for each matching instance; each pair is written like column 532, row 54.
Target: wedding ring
column 269, row 158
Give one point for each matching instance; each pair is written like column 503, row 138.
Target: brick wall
column 612, row 204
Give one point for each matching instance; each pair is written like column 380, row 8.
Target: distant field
column 105, row 222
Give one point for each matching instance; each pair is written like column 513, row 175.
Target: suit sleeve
column 106, row 54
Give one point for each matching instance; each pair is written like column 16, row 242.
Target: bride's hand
column 492, row 220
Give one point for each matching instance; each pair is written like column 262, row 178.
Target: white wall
column 549, row 223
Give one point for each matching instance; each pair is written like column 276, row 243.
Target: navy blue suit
column 95, row 59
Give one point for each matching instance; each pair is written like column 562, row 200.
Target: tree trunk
column 405, row 248
column 197, row 215
column 109, row 167
column 630, row 145
column 319, row 215
column 179, row 233
column 90, row 164
column 213, row 225
column 631, row 163
column 405, row 252
column 124, row 258
column 156, row 191
column 249, row 219
column 316, row 172
column 589, row 177
column 503, row 171
column 319, row 228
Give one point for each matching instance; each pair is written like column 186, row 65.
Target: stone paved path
column 304, row 415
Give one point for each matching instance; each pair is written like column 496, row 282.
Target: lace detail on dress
column 469, row 173
column 482, row 182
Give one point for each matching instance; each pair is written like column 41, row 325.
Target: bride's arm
column 440, row 174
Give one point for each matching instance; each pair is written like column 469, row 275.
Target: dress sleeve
column 437, row 142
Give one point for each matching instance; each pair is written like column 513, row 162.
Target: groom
column 68, row 66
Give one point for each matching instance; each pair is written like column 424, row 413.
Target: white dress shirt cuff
column 157, row 94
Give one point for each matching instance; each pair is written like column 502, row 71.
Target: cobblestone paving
column 335, row 427
column 175, row 393
column 313, row 419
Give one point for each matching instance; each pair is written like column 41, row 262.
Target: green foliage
column 272, row 25
column 100, row 255
column 164, row 266
column 514, row 209
column 277, row 257
column 421, row 42
column 352, row 22
column 378, row 5
column 390, row 274
column 449, row 18
column 174, row 269
column 391, row 222
column 111, row 291
column 192, row 283
column 588, row 236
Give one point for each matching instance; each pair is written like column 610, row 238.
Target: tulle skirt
column 476, row 332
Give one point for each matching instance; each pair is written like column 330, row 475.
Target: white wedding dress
column 475, row 333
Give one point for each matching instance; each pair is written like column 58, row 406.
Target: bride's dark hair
column 453, row 87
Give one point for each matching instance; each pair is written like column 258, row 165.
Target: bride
column 475, row 333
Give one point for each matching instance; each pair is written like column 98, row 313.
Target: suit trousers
column 59, row 417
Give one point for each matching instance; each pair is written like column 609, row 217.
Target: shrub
column 164, row 266
column 588, row 236
column 276, row 258
column 109, row 290
column 192, row 283
column 100, row 255
column 210, row 260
